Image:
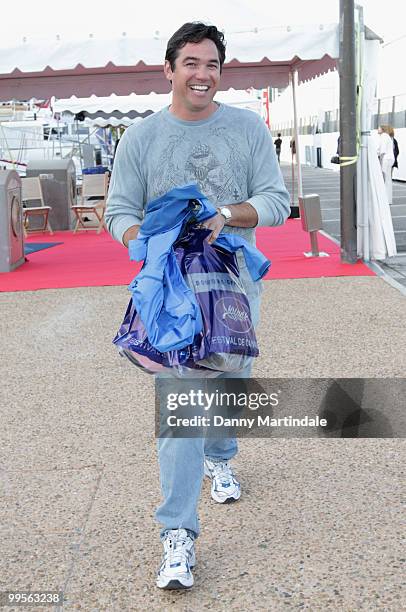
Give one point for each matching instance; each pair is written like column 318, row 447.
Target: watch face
column 15, row 216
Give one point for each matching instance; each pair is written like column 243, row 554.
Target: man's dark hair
column 194, row 32
column 279, row 135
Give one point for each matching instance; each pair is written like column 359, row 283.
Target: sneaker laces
column 222, row 471
column 176, row 540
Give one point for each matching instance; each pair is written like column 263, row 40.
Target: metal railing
column 390, row 110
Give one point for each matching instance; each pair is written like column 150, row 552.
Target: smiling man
column 229, row 153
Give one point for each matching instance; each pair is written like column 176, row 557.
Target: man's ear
column 168, row 71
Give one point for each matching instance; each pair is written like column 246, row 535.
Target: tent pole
column 294, row 81
column 79, row 144
column 348, row 127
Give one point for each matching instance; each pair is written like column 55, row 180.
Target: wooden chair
column 93, row 201
column 32, row 190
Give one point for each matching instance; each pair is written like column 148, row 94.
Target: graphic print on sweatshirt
column 220, row 170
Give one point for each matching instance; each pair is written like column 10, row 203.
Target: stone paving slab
column 60, row 498
column 35, row 561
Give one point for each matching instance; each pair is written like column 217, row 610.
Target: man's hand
column 130, row 234
column 215, row 224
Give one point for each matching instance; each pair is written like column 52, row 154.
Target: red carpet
column 285, row 247
column 90, row 260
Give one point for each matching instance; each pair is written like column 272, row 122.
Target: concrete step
column 398, row 209
column 400, row 237
column 399, row 223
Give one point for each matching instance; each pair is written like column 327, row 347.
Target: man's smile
column 203, row 88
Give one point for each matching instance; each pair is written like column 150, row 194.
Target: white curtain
column 373, row 207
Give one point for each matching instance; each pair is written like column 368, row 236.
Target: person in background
column 395, row 147
column 386, row 157
column 278, row 147
column 292, row 147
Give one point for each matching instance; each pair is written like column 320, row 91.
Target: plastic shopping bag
column 227, row 341
column 212, row 273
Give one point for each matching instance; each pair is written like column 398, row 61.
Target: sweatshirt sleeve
column 127, row 192
column 267, row 192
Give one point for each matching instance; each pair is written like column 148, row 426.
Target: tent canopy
column 111, row 122
column 142, row 105
column 260, row 58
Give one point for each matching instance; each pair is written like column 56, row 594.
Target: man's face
column 195, row 80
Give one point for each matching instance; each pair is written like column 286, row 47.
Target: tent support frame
column 294, row 82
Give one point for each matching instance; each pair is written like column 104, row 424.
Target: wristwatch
column 226, row 213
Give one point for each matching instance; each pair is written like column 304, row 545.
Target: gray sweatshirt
column 230, row 156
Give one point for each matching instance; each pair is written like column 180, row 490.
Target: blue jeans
column 181, row 465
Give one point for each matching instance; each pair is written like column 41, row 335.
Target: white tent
column 142, row 105
column 257, row 58
column 111, row 122
column 260, row 57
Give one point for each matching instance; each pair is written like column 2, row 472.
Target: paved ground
column 319, row 526
column 327, row 184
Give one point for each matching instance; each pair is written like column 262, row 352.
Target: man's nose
column 202, row 73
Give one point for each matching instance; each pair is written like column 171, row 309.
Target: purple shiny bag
column 227, row 340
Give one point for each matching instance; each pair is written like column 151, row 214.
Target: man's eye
column 191, row 64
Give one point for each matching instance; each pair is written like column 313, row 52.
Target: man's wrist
column 130, row 234
column 225, row 213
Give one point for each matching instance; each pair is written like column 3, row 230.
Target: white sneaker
column 225, row 488
column 179, row 557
